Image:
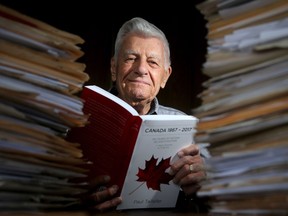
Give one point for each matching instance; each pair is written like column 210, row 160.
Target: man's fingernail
column 114, row 189
column 107, row 178
column 180, row 154
column 171, row 172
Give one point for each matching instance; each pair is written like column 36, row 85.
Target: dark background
column 97, row 23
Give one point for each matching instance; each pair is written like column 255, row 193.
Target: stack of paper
column 244, row 110
column 39, row 79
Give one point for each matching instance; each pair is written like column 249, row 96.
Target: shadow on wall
column 186, row 33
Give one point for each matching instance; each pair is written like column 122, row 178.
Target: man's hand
column 102, row 198
column 189, row 169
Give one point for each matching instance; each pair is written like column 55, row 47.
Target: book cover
column 135, row 150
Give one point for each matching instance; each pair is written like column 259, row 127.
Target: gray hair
column 142, row 27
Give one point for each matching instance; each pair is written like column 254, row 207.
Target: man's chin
column 138, row 96
column 140, row 93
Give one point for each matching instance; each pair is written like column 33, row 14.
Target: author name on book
column 147, row 201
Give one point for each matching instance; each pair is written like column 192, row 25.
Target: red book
column 135, row 150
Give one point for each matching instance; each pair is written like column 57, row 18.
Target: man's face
column 139, row 72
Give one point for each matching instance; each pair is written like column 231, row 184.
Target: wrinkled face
column 139, row 72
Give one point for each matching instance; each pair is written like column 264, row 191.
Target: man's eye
column 153, row 63
column 130, row 59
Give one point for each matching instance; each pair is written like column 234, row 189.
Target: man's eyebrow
column 151, row 55
column 154, row 56
column 128, row 52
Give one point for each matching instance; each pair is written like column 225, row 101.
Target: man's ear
column 166, row 77
column 113, row 69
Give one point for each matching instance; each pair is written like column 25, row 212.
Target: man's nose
column 141, row 67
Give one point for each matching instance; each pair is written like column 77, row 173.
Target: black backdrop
column 97, row 23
